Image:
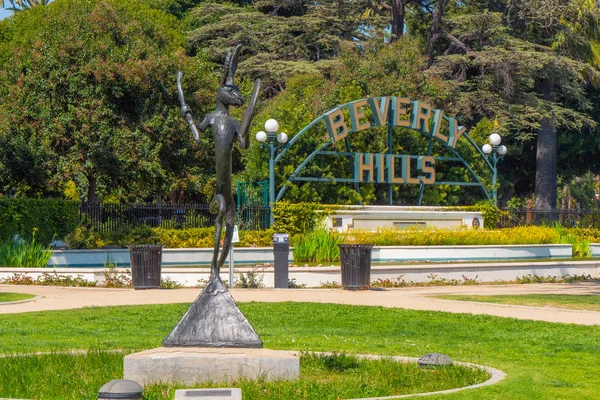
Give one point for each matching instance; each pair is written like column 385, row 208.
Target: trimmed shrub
column 590, row 234
column 184, row 238
column 52, row 218
column 299, row 218
column 491, row 214
column 449, row 237
column 87, row 238
column 205, row 237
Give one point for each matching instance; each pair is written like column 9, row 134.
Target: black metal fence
column 111, row 217
column 567, row 218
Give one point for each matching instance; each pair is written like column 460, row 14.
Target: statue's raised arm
column 244, row 137
column 186, row 112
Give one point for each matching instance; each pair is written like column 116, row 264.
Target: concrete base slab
column 193, row 364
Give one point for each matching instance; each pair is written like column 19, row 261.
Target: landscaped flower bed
column 204, row 237
column 320, row 246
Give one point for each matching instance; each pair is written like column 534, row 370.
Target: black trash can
column 355, row 262
column 146, row 264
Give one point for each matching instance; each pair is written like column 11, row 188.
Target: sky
column 4, row 13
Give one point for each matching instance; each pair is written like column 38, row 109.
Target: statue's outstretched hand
column 185, row 109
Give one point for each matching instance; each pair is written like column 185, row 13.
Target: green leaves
column 279, row 42
column 524, row 67
column 49, row 218
column 15, row 252
column 319, row 246
column 90, row 88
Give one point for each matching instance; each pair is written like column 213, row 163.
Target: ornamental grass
column 318, row 246
column 16, row 252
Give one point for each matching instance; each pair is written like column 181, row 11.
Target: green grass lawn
column 570, row 301
column 543, row 360
column 5, row 297
column 59, row 376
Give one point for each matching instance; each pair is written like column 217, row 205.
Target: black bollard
column 281, row 251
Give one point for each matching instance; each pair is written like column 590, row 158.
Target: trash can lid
column 121, row 389
column 356, row 246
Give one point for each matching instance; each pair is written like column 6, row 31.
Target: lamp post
column 496, row 152
column 276, row 141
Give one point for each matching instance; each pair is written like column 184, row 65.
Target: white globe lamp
column 261, row 136
column 271, row 125
column 282, row 137
column 495, row 139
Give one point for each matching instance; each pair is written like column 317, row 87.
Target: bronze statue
column 214, row 320
column 225, row 131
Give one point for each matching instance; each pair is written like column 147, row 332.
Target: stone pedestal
column 193, row 364
column 213, row 320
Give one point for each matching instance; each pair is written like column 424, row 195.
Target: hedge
column 297, row 218
column 53, row 218
column 86, row 238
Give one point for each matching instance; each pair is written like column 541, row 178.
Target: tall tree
column 436, row 26
column 93, row 83
column 572, row 28
column 280, row 39
column 395, row 10
column 535, row 89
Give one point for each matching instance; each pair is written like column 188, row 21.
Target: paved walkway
column 58, row 298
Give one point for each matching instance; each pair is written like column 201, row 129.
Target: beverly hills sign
column 389, row 168
column 400, row 112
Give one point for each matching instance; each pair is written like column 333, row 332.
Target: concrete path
column 58, row 298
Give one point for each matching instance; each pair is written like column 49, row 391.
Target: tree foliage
column 509, row 66
column 90, row 90
column 280, row 39
column 396, row 70
column 87, row 91
column 20, row 5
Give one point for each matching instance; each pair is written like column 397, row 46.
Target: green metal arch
column 448, row 148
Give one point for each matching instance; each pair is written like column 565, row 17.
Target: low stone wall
column 467, row 253
column 317, row 276
column 372, row 218
column 484, row 272
column 262, row 255
column 171, row 257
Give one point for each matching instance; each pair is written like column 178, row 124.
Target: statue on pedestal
column 214, row 320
